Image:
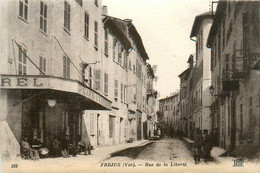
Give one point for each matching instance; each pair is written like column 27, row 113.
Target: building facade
column 170, row 111
column 234, row 42
column 69, row 69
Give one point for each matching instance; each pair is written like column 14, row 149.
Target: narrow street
column 165, row 150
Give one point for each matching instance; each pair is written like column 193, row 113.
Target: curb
column 109, row 155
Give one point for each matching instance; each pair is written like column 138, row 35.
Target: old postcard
column 130, row 86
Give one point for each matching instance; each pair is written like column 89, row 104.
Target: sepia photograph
column 130, row 86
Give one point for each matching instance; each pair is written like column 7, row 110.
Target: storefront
column 45, row 107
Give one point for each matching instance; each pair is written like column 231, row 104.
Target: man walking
column 206, row 144
column 197, row 145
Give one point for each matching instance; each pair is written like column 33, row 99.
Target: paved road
column 164, row 150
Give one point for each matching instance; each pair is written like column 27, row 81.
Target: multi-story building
column 235, row 45
column 66, row 69
column 169, row 108
column 198, row 105
column 151, row 93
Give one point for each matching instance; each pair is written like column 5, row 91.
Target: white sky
column 165, row 27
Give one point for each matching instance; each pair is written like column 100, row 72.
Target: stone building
column 170, row 119
column 235, row 45
column 65, row 70
column 199, row 81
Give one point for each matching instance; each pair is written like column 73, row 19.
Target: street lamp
column 211, row 90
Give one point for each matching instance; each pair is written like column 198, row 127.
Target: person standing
column 206, row 144
column 197, row 145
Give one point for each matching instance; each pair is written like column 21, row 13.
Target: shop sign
column 94, row 96
column 14, row 82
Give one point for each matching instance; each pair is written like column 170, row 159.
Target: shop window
column 43, row 17
column 42, row 65
column 92, row 119
column 86, row 25
column 22, row 61
column 66, row 67
column 66, row 16
column 111, row 126
column 23, row 9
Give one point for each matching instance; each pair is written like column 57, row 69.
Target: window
column 241, row 121
column 96, row 3
column 67, row 16
column 122, row 92
column 114, row 49
column 251, row 116
column 23, row 9
column 97, row 80
column 130, row 65
column 90, row 77
column 22, row 67
column 79, row 2
column 66, row 67
column 116, row 88
column 106, row 42
column 119, row 54
column 111, row 126
column 43, row 17
column 134, row 69
column 86, row 33
column 106, row 83
column 92, row 119
column 42, row 65
column 96, row 34
column 125, row 60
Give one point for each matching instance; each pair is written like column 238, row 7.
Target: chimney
column 104, row 10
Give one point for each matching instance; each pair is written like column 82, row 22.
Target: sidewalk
column 97, row 156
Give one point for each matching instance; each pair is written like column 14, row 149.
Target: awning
column 59, row 87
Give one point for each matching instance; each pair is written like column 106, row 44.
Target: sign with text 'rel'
column 23, row 82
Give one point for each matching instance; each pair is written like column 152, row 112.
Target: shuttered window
column 116, row 88
column 42, row 65
column 97, row 80
column 67, row 16
column 106, row 83
column 86, row 32
column 43, row 17
column 23, row 9
column 66, row 67
column 22, row 61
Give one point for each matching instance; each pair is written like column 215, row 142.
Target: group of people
column 59, row 148
column 202, row 145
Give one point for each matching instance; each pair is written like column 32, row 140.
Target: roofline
column 220, row 12
column 115, row 30
column 138, row 41
column 197, row 22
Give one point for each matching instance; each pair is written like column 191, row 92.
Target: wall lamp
column 211, row 91
column 51, row 102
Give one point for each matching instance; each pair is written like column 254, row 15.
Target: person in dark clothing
column 197, row 145
column 26, row 149
column 207, row 146
column 67, row 148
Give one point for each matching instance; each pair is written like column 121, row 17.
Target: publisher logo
column 238, row 163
